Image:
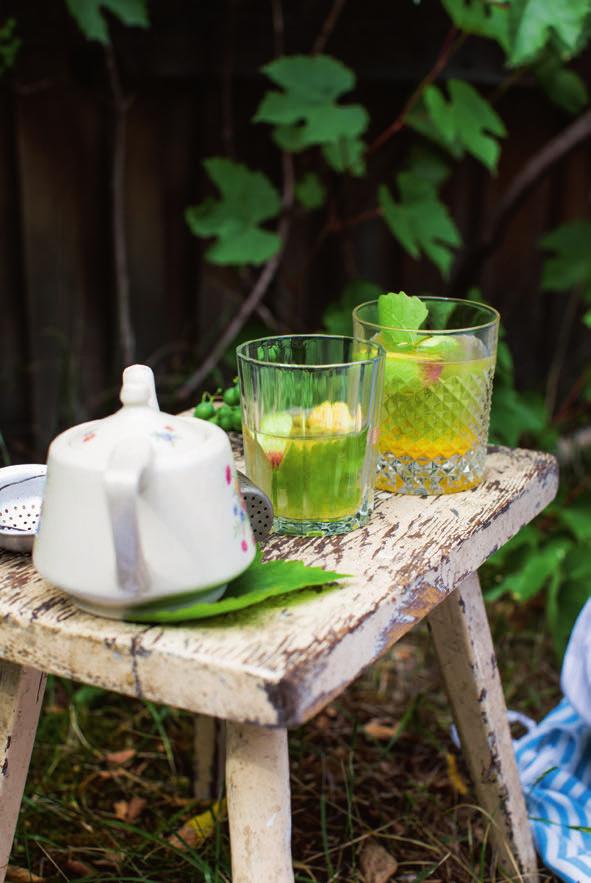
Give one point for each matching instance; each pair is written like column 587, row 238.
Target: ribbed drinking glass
column 310, row 415
column 437, row 395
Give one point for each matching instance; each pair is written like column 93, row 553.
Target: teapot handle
column 123, row 479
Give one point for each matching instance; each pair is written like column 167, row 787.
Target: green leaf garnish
column 262, row 580
column 403, row 314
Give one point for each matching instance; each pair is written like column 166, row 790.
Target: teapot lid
column 92, row 443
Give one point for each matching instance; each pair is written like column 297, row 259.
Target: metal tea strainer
column 258, row 507
column 21, row 492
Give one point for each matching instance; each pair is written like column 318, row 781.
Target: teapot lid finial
column 138, row 387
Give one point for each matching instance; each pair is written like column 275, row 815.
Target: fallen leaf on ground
column 120, row 756
column 21, row 875
column 78, row 867
column 129, row 811
column 376, row 863
column 380, row 728
column 454, row 775
column 198, row 829
column 109, row 859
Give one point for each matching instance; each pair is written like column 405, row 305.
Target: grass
column 396, row 787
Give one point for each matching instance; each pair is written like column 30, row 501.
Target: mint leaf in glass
column 401, row 317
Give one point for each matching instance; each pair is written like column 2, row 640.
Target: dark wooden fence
column 193, row 82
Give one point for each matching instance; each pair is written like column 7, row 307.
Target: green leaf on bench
column 262, row 580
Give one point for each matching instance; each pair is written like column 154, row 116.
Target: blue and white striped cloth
column 554, row 761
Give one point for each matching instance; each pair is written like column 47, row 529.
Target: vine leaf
column 569, row 262
column 485, row 18
column 419, row 220
column 310, row 191
column 465, row 122
column 306, row 111
column 536, row 571
column 246, row 199
column 535, row 23
column 346, row 155
column 10, row 44
column 563, row 87
column 89, row 15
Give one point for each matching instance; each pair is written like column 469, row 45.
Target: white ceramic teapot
column 141, row 506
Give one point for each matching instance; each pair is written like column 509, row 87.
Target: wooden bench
column 417, row 558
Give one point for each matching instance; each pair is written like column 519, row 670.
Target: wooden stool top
column 278, row 665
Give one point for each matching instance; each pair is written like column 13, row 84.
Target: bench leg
column 259, row 807
column 21, row 696
column 208, row 757
column 466, row 655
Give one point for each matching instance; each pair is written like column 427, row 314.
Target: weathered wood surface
column 278, row 666
column 468, row 664
column 21, row 696
column 259, row 808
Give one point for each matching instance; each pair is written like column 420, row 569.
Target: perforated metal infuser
column 21, row 492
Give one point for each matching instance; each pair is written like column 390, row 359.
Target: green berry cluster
column 221, row 408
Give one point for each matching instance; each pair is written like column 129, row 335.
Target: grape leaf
column 514, row 414
column 577, row 517
column 485, row 18
column 10, row 44
column 534, row 23
column 419, row 220
column 310, row 191
column 346, row 155
column 567, row 594
column 535, row 572
column 465, row 122
column 563, row 87
column 570, row 260
column 247, row 199
column 587, row 318
column 306, row 112
column 262, row 580
column 89, row 15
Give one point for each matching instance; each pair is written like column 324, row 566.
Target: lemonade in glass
column 440, row 361
column 310, row 409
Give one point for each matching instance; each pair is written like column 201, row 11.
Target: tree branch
column 122, row 287
column 450, row 45
column 328, row 26
column 278, row 28
column 256, row 295
column 534, row 170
